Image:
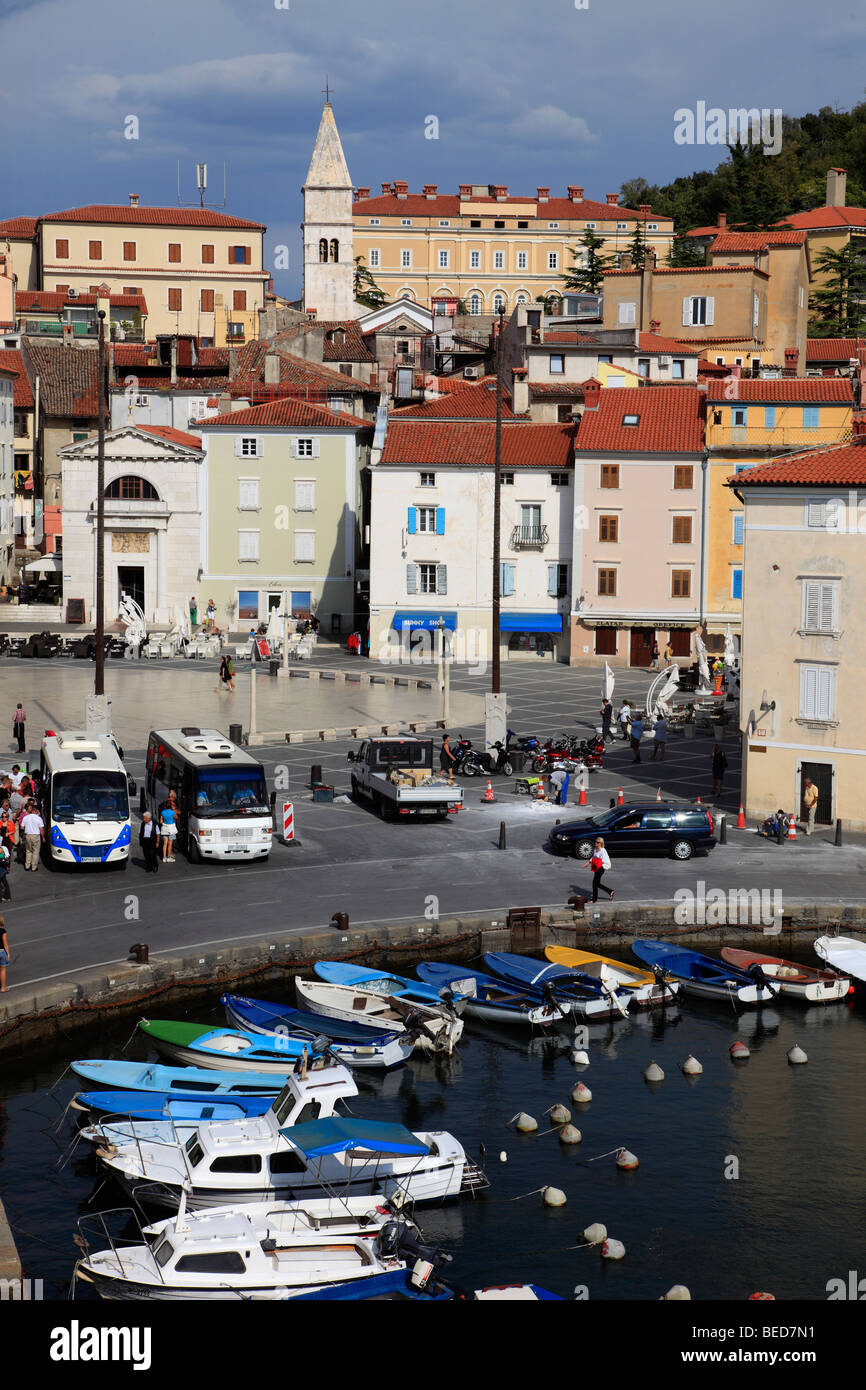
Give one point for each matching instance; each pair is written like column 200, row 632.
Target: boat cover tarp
column 341, row 1134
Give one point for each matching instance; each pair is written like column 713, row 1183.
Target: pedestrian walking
column 193, row 612
column 33, row 830
column 624, row 717
column 606, row 713
column 810, row 804
column 599, row 863
column 18, row 721
column 227, row 675
column 5, row 956
column 148, row 838
column 654, row 664
column 636, row 736
column 669, row 653
column 447, row 760
column 720, row 763
column 660, row 738
column 5, row 863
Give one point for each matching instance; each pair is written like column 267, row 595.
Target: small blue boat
column 181, row 1107
column 354, row 1044
column 397, row 1285
column 151, row 1077
column 590, row 998
column 338, row 972
column 705, row 977
column 491, row 999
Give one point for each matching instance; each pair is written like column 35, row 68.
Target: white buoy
column 560, row 1114
column 626, row 1160
column 692, row 1067
column 570, row 1135
column 580, row 1058
column 653, row 1073
column 525, row 1123
column 797, row 1055
column 739, row 1051
column 678, row 1291
column 595, row 1234
column 612, row 1249
column 503, row 1157
column 582, row 1094
column 553, row 1197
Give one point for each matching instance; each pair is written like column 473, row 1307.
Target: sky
column 526, row 94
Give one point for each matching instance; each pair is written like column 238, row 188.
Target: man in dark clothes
column 606, row 713
column 148, row 838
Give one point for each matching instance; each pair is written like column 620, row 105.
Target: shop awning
column 425, row 621
column 530, row 622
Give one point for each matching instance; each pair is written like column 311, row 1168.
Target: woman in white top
column 599, row 863
column 625, row 718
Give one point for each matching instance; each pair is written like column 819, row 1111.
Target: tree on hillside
column 637, row 245
column 587, row 273
column 366, row 290
column 685, row 251
column 838, row 303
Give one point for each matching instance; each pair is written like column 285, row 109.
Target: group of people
column 158, row 837
column 631, row 723
column 22, row 829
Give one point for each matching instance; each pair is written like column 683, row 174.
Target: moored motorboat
column 341, row 972
column 795, row 981
column 845, row 954
column 353, row 1043
column 647, row 987
column 492, row 999
column 590, row 998
column 705, row 977
column 233, row 1050
column 152, row 1078
column 435, row 1026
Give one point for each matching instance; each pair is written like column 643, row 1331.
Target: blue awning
column 425, row 621
column 530, row 622
column 339, row 1134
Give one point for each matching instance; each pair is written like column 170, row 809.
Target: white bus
column 86, row 800
column 222, row 796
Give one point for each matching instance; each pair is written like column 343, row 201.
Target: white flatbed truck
column 397, row 775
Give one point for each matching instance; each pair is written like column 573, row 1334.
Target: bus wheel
column 193, row 853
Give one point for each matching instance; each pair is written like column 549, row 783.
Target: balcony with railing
column 529, row 538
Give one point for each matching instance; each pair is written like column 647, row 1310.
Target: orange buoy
column 739, row 1050
column 762, row 1297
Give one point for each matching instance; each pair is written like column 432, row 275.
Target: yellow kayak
column 591, row 963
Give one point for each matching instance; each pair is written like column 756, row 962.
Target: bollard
column 780, row 835
column 502, row 844
column 141, row 953
column 723, row 830
column 142, row 801
column 315, row 774
column 236, row 733
column 838, row 839
column 340, row 920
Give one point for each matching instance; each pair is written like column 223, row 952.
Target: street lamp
column 99, row 683
column 497, row 488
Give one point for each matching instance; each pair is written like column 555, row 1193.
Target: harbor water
column 750, row 1175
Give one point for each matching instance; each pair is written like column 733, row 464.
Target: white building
column 7, row 474
column 152, row 520
column 329, row 266
column 431, row 544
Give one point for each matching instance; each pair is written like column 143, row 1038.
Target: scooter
column 491, row 763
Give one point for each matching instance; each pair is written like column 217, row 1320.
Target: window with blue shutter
column 506, row 580
column 810, row 417
column 769, row 417
column 440, row 521
column 739, row 521
column 413, row 521
column 736, row 583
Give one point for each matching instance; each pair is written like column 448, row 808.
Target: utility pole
column 497, row 486
column 99, row 686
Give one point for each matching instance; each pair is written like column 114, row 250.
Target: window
column 304, row 449
column 631, row 421
column 643, row 366
column 818, row 692
column 305, row 547
column 498, row 260
column 248, row 604
column 334, row 250
column 305, row 495
column 405, row 221
column 682, row 530
column 522, row 260
column 820, row 606
column 374, row 258
column 207, row 301
column 248, row 447
column 239, row 299
column 234, row 330
column 626, row 313
column 678, row 368
column 444, row 259
column 405, row 259
column 811, row 415
column 739, row 417
column 428, row 480
column 609, row 475
column 557, row 364
column 248, row 494
column 608, row 528
column 323, row 250
column 507, row 479
column 248, row 546
column 427, row 578
column 557, row 581
column 559, row 480
column 736, row 583
column 130, row 289
column 427, row 519
column 95, row 250
column 475, row 222
column 129, row 251
column 475, row 304
column 553, row 226
column 553, row 260
column 622, row 226
column 131, row 488
column 174, row 250
column 681, row 583
column 816, row 515
column 506, row 580
column 236, row 1163
column 375, row 221
column 607, row 583
column 697, row 310
column 590, row 226
column 605, row 641
column 239, row 255
column 739, row 520
column 652, row 226
column 680, row 640
column 212, row 1261
column 522, row 226
column 474, row 260
column 756, row 310
column 207, row 257
column 61, row 249
column 498, row 303
column 683, row 476
column 175, row 299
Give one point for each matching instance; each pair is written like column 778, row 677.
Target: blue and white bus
column 86, row 799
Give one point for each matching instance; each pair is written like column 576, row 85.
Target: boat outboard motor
column 661, row 981
column 415, row 1026
column 389, row 1237
column 759, row 977
column 548, row 994
column 449, row 1001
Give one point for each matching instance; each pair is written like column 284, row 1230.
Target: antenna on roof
column 201, row 185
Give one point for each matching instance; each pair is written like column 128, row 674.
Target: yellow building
column 831, row 227
column 486, row 246
column 200, row 271
column 749, row 422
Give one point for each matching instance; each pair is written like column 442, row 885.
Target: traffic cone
column 698, row 801
column 741, row 819
column 581, row 800
column 620, row 800
column 488, row 795
column 792, row 829
column 659, row 794
column 541, row 794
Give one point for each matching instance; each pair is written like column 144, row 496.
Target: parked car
column 652, row 827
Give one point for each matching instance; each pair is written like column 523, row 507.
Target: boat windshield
column 93, row 795
column 163, row 1252
column 230, row 791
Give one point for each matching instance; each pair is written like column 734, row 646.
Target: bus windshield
column 92, row 795
column 230, row 791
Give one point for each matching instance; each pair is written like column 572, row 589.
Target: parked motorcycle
column 491, row 762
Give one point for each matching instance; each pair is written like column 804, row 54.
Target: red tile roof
column 352, row 349
column 833, row 349
column 42, row 300
column 826, row 216
column 13, row 361
column 188, row 441
column 839, row 465
column 563, row 388
column 202, row 385
column 19, row 228
column 474, row 444
column 474, row 403
column 670, row 421
column 151, row 217
column 563, row 336
column 294, row 371
column 727, row 242
column 791, row 389
column 735, row 341
column 654, row 342
column 696, row 270
column 67, row 377
column 450, row 205
column 287, row 413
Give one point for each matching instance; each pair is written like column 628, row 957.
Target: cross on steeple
column 326, row 91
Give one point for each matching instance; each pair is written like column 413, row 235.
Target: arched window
column 130, row 488
column 475, row 303
column 498, row 303
column 335, row 249
column 522, row 299
column 323, row 249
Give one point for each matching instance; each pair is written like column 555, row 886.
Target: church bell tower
column 329, row 266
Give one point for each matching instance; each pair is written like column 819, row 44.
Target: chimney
column 543, row 194
column 792, row 358
column 362, row 193
column 655, row 325
column 500, row 192
column 401, row 188
column 430, row 190
column 575, row 192
column 174, row 361
column 233, row 363
column 519, row 391
column 386, row 190
column 626, row 261
column 612, row 200
column 225, row 403
column 68, row 335
column 591, row 394
column 645, row 208
column 858, row 425
column 465, row 191
column 836, row 180
column 722, row 219
column 272, row 369
column 133, row 200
